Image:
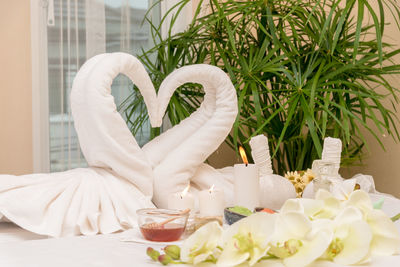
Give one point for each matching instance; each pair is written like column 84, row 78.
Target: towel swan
column 187, row 145
column 103, row 198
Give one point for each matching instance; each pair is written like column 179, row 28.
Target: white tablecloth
column 19, row 248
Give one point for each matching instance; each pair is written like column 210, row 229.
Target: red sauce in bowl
column 166, row 233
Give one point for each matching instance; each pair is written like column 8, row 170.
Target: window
column 65, row 33
column 70, row 32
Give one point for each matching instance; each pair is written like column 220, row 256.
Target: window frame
column 40, row 90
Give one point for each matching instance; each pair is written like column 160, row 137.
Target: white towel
column 104, row 197
column 274, row 189
column 177, row 154
column 332, row 151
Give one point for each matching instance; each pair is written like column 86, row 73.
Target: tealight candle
column 246, row 183
column 211, row 202
column 181, row 200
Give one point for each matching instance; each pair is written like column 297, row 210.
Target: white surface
column 108, row 250
column 134, row 235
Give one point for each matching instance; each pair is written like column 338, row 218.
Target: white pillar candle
column 211, row 202
column 247, row 186
column 181, row 200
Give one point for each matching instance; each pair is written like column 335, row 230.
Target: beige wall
column 15, row 88
column 384, row 166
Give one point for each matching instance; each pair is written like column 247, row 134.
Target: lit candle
column 246, row 183
column 181, row 200
column 211, row 202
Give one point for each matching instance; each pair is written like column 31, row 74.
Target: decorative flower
column 300, row 180
column 343, row 190
column 351, row 237
column 295, row 242
column 308, row 176
column 201, row 244
column 323, row 206
column 292, row 176
column 386, row 239
column 247, row 240
column 346, row 231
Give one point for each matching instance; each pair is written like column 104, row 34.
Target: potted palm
column 303, row 70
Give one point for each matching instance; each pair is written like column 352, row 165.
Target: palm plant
column 303, row 70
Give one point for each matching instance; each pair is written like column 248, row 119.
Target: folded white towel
column 104, row 197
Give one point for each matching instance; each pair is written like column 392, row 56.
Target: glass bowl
column 162, row 225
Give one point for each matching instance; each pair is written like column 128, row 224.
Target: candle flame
column 184, row 192
column 243, row 155
column 211, row 188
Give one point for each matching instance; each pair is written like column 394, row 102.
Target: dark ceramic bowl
column 232, row 217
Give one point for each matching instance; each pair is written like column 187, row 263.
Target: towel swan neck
column 97, row 120
column 190, row 143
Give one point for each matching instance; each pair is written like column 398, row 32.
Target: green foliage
column 303, row 70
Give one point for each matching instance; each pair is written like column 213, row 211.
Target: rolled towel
column 274, row 189
column 261, row 156
column 332, row 151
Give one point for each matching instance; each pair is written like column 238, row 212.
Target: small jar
column 324, row 171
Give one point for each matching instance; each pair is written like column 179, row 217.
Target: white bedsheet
column 19, row 248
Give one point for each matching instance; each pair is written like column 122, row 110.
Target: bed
column 20, row 248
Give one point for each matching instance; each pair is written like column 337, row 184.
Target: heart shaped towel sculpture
column 121, row 176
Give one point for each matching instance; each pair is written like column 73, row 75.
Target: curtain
column 76, row 31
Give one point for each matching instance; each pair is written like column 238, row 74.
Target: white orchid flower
column 247, row 240
column 201, row 244
column 385, row 236
column 295, row 242
column 343, row 190
column 351, row 237
column 361, row 200
column 386, row 239
column 325, row 205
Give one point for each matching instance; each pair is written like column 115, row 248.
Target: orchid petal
column 348, row 215
column 356, row 244
column 323, row 194
column 231, row 256
column 386, row 239
column 247, row 239
column 311, row 250
column 292, row 205
column 291, row 225
column 201, row 244
column 343, row 190
column 361, row 200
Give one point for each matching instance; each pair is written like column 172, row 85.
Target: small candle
column 181, row 200
column 211, row 202
column 246, row 183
